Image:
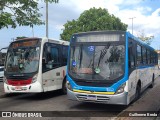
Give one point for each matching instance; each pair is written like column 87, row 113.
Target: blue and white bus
column 110, row 67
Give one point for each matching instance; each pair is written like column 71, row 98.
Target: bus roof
column 59, row 41
column 139, row 41
column 118, row 31
column 51, row 40
column 105, row 31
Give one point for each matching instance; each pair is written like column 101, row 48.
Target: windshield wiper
column 80, row 56
column 103, row 53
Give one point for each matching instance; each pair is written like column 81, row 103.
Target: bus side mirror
column 43, row 61
column 48, row 49
column 129, row 64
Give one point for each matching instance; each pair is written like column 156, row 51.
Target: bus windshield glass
column 23, row 56
column 97, row 62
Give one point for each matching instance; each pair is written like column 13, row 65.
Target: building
column 3, row 53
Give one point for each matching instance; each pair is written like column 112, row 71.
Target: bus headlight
column 34, row 79
column 5, row 80
column 69, row 86
column 121, row 89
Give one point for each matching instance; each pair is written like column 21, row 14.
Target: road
column 55, row 101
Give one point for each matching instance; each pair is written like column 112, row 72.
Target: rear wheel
column 152, row 84
column 64, row 86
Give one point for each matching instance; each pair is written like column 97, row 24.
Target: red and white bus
column 35, row 65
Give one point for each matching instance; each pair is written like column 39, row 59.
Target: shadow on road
column 42, row 96
column 11, row 95
column 99, row 107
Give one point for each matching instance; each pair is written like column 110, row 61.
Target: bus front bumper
column 119, row 99
column 31, row 88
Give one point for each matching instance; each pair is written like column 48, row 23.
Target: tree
column 20, row 12
column 144, row 38
column 20, row 37
column 92, row 20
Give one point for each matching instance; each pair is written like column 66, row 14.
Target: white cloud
column 111, row 5
column 143, row 10
column 150, row 23
column 156, row 13
column 132, row 2
column 66, row 10
column 71, row 9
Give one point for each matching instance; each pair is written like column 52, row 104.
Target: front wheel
column 138, row 91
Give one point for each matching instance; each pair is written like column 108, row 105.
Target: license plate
column 18, row 88
column 93, row 98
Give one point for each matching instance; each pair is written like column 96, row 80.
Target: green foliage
column 144, row 38
column 20, row 12
column 92, row 20
column 20, row 37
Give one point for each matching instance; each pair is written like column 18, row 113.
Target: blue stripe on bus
column 113, row 88
column 142, row 67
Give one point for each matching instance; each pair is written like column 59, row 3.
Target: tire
column 138, row 91
column 152, row 84
column 64, row 87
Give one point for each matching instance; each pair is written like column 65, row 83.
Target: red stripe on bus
column 19, row 82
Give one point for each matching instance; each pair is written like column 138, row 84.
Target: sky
column 146, row 14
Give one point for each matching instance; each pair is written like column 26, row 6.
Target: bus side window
column 131, row 55
column 144, row 55
column 50, row 57
column 64, row 55
column 45, row 57
column 152, row 57
column 53, row 58
column 139, row 55
column 148, row 56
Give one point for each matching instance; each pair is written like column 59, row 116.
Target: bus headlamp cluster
column 121, row 89
column 5, row 80
column 69, row 86
column 34, row 79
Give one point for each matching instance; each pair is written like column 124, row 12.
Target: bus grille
column 18, row 78
column 1, row 78
column 98, row 98
column 102, row 98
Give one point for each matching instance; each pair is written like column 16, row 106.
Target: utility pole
column 32, row 31
column 46, row 18
column 132, row 23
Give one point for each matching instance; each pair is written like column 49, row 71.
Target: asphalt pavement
column 1, row 89
column 148, row 102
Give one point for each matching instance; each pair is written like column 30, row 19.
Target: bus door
column 51, row 66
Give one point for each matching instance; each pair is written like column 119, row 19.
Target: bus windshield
column 23, row 57
column 98, row 62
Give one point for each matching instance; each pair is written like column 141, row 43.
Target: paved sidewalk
column 149, row 101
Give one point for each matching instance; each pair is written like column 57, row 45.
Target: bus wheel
column 64, row 87
column 138, row 90
column 152, row 84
